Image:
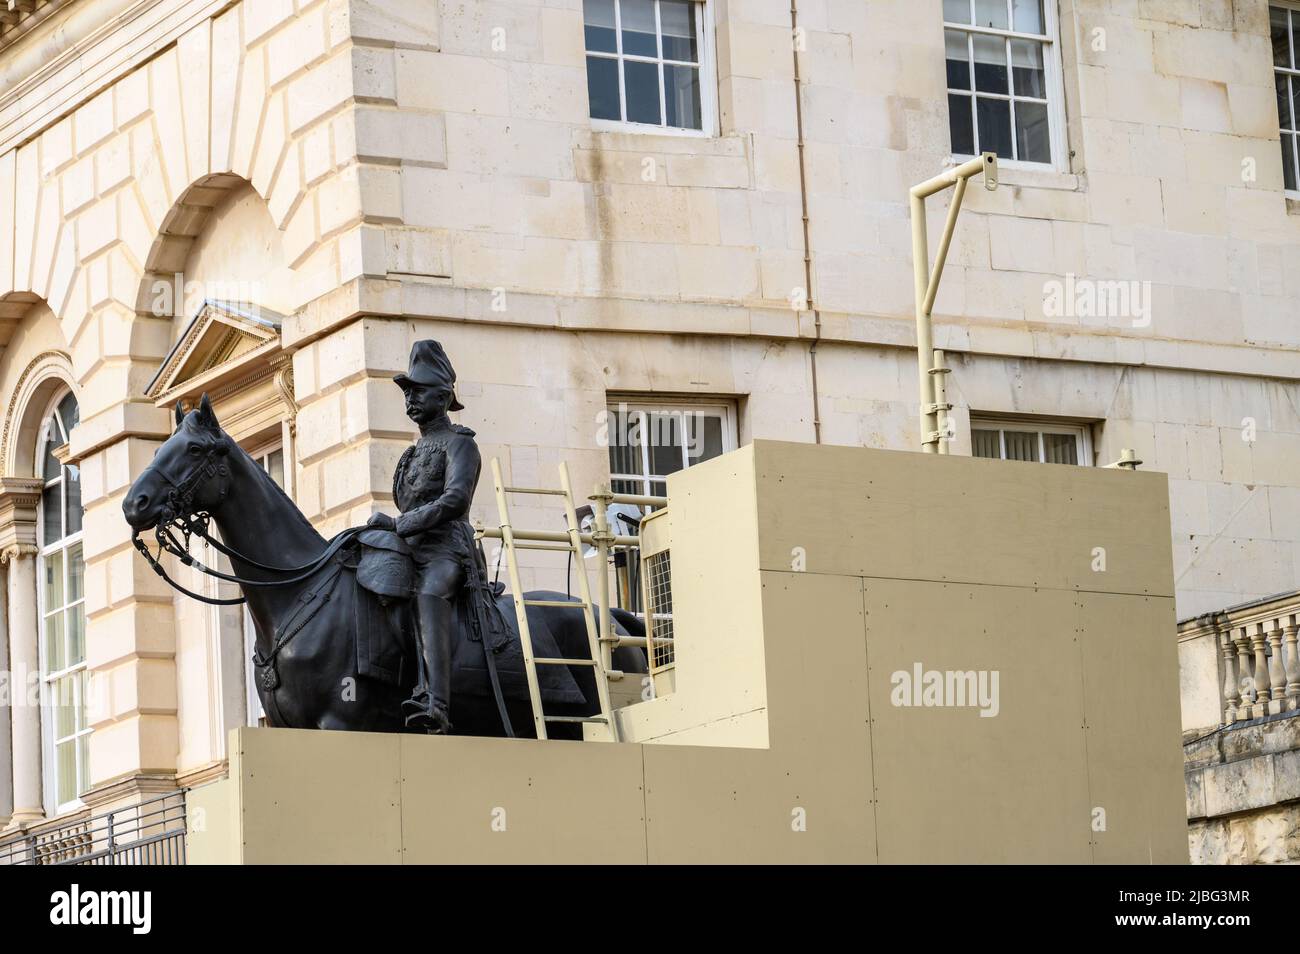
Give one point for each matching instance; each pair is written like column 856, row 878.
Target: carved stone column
column 19, row 498
column 1276, row 669
column 1292, row 663
column 25, row 660
column 6, row 705
column 18, row 501
column 1231, row 689
column 1259, row 643
column 1245, row 677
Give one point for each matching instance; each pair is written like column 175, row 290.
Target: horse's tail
column 629, row 621
column 629, row 658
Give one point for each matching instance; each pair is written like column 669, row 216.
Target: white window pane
column 1288, row 161
column 51, row 514
column 956, row 11
column 65, row 758
column 990, row 64
column 275, row 466
column 704, row 437
column 598, row 23
column 1285, row 116
column 960, row 125
column 985, row 443
column 76, row 572
column 624, row 442
column 677, row 20
column 991, row 13
column 1021, row 445
column 1060, row 449
column 64, row 706
column 69, row 414
column 52, row 596
column 666, row 438
column 83, row 763
column 682, row 96
column 56, row 657
column 957, row 57
column 602, row 88
column 641, row 86
column 1033, row 140
column 71, row 500
column 638, row 27
column 50, row 463
column 1027, row 68
column 83, row 689
column 1277, row 18
column 994, row 122
column 1027, row 16
column 75, row 620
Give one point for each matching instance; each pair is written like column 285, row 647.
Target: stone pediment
column 222, row 345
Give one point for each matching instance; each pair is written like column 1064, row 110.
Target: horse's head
column 190, row 472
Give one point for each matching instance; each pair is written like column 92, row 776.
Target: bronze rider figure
column 432, row 487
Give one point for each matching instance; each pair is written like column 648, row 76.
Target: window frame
column 1053, row 80
column 708, row 78
column 48, row 678
column 1081, row 432
column 646, row 405
column 1293, row 10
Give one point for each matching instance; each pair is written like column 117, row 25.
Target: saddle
column 385, row 578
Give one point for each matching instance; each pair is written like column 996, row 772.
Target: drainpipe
column 930, row 363
column 807, row 244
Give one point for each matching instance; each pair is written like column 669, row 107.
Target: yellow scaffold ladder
column 571, row 541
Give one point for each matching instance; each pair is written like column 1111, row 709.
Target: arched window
column 61, row 605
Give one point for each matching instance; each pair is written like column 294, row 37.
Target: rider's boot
column 429, row 706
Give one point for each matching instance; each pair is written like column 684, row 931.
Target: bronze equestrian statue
column 389, row 627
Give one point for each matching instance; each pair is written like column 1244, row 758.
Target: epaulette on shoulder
column 462, row 429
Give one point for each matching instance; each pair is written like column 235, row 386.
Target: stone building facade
column 269, row 200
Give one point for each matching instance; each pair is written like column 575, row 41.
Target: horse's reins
column 177, row 512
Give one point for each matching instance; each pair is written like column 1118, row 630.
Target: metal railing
column 151, row 832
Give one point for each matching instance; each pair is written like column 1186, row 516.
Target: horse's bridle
column 178, row 515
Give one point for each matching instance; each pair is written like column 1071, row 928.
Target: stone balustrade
column 1260, row 660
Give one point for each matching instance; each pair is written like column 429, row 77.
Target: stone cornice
column 394, row 298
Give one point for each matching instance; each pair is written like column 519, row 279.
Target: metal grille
column 150, row 833
column 659, row 612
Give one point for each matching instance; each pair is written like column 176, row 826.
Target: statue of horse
column 329, row 654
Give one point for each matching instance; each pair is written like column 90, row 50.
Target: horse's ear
column 180, row 414
column 206, row 417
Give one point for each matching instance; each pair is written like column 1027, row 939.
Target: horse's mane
column 266, row 477
column 194, row 424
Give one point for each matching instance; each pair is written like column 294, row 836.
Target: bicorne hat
column 430, row 367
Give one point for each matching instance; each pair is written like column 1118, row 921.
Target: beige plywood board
column 720, row 660
column 1129, row 663
column 900, row 515
column 807, row 797
column 313, row 797
column 212, row 824
column 953, row 786
column 478, row 801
